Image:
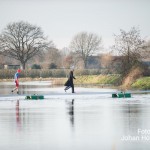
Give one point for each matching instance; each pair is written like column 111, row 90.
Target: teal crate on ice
column 35, row 97
column 121, row 95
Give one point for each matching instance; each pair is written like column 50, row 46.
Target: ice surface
column 88, row 119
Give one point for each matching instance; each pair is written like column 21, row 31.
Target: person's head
column 18, row 70
column 72, row 68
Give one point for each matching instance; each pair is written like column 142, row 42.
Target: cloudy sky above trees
column 62, row 19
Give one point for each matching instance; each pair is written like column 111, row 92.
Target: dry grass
column 131, row 77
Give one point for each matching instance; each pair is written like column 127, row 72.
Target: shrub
column 52, row 66
column 142, row 83
column 35, row 66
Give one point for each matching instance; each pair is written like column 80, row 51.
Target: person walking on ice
column 16, row 78
column 69, row 82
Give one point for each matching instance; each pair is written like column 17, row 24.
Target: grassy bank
column 142, row 83
column 98, row 79
column 91, row 80
column 114, row 80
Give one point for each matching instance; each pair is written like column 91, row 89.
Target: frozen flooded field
column 89, row 119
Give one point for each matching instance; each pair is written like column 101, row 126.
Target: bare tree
column 22, row 41
column 84, row 45
column 68, row 60
column 130, row 46
column 53, row 56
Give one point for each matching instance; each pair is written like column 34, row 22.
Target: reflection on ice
column 70, row 106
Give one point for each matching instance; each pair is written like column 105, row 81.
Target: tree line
column 27, row 44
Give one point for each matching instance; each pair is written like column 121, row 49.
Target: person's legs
column 14, row 89
column 17, row 87
column 73, row 88
column 17, row 90
column 67, row 87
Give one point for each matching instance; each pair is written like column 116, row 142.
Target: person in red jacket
column 16, row 78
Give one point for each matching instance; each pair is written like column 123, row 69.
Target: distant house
column 1, row 66
column 93, row 62
column 146, row 62
column 8, row 66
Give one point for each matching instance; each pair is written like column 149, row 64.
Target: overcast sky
column 62, row 19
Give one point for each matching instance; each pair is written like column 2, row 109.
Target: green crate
column 41, row 97
column 120, row 95
column 128, row 95
column 28, row 97
column 35, row 97
column 114, row 95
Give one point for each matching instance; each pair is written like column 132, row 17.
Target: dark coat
column 69, row 82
